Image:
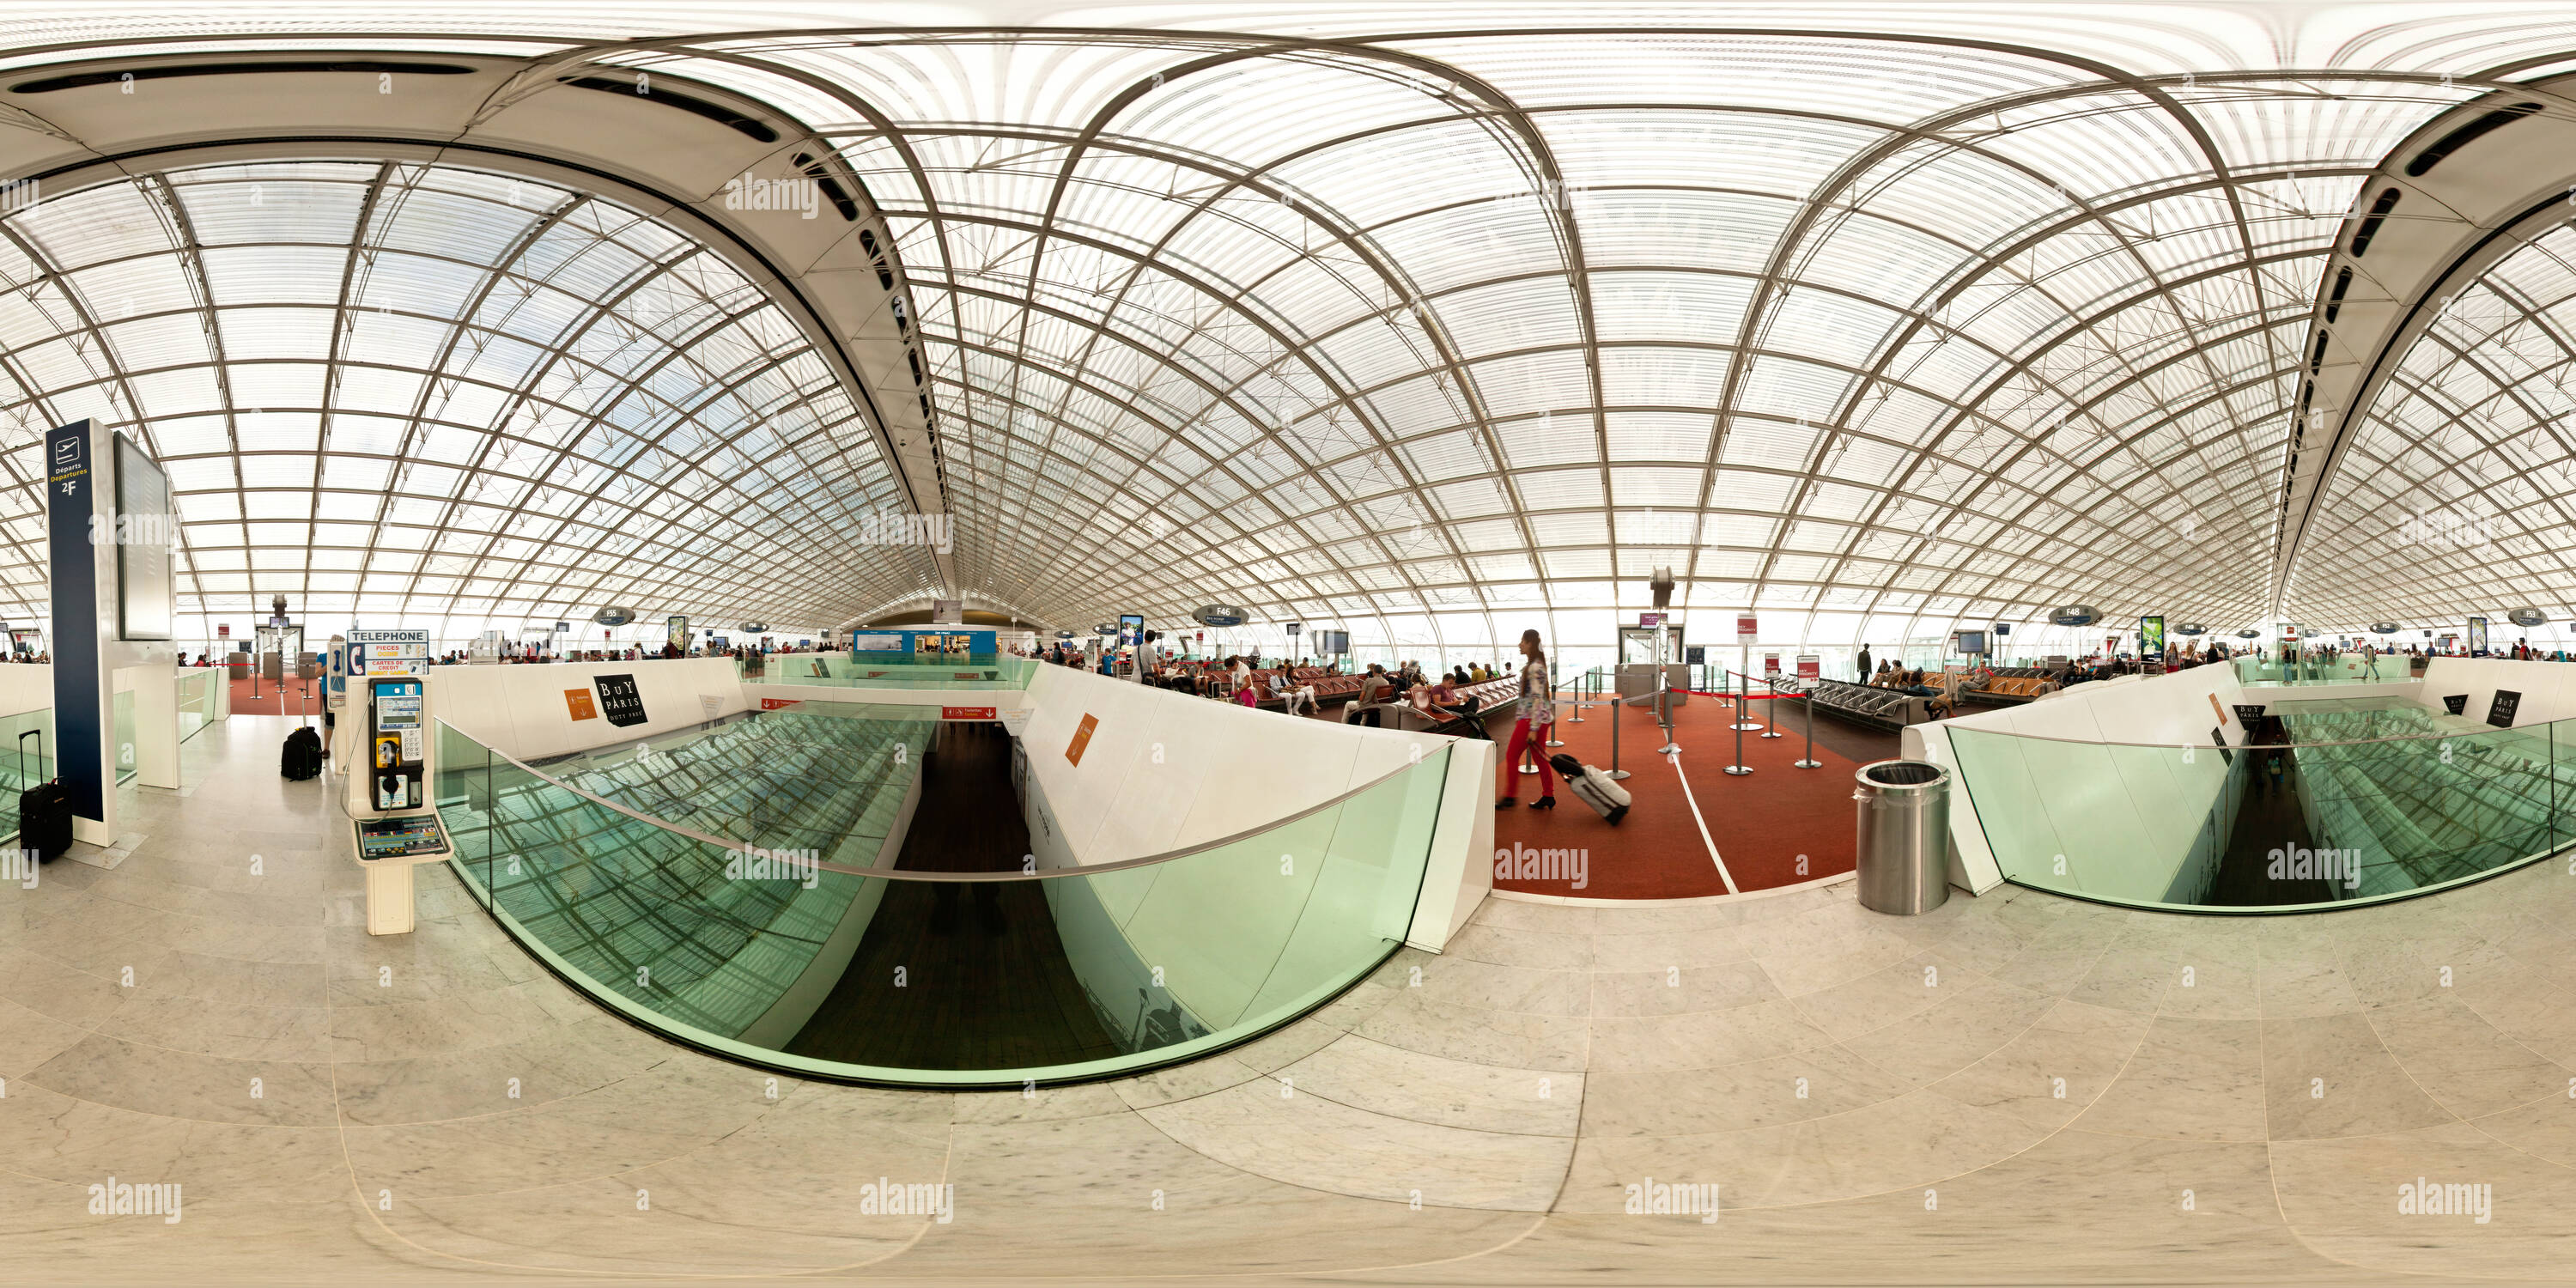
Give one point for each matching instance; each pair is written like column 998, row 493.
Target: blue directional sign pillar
column 98, row 583
column 74, row 485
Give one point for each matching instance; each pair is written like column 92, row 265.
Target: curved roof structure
column 1912, row 315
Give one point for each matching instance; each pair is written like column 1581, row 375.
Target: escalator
column 959, row 975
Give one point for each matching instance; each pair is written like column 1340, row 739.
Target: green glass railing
column 2324, row 820
column 853, row 971
column 891, row 671
column 824, row 776
column 2342, row 669
column 196, row 700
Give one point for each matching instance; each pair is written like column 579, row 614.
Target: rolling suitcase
column 1592, row 786
column 44, row 811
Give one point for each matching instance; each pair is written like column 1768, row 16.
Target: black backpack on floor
column 44, row 809
column 302, row 757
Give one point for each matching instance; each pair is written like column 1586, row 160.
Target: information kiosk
column 388, row 771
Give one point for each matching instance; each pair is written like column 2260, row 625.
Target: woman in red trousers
column 1529, row 733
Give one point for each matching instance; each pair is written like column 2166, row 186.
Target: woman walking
column 1538, row 712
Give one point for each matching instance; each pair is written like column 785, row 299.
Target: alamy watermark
column 1674, row 1198
column 20, row 866
column 894, row 528
column 1521, row 863
column 134, row 530
column 2299, row 863
column 2450, row 528
column 159, row 1199
column 883, row 1197
column 801, row 195
column 2421, row 1197
column 751, row 863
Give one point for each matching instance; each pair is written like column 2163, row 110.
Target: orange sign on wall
column 582, row 707
column 965, row 713
column 1081, row 738
column 2213, row 705
column 772, row 704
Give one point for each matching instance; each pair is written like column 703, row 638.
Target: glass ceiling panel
column 259, row 330
column 1964, row 318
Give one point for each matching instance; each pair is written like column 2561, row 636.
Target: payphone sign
column 403, row 652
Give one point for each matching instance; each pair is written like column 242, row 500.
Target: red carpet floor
column 1777, row 826
column 272, row 701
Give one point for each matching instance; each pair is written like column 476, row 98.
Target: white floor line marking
column 1722, row 873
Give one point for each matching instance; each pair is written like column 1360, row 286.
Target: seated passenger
column 1290, row 693
column 1368, row 705
column 1458, row 707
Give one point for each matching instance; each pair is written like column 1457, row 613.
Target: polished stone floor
column 2015, row 1088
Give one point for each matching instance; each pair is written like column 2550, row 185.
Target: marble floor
column 2016, row 1088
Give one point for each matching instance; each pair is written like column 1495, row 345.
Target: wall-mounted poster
column 2500, row 711
column 620, row 701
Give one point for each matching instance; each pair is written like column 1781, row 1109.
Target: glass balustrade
column 2357, row 801
column 893, row 670
column 702, row 889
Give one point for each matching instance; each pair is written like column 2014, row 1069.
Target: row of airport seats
column 1330, row 690
column 2016, row 684
column 615, row 896
column 1862, row 704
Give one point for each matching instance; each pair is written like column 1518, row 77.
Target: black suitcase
column 301, row 758
column 44, row 809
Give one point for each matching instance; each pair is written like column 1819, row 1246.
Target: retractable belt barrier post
column 1616, row 702
column 1742, row 681
column 1810, row 762
column 1771, row 681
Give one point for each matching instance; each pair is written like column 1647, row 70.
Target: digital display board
column 1131, row 630
column 2477, row 637
column 2151, row 636
column 145, row 528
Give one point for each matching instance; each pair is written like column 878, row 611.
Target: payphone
column 390, row 797
column 394, row 736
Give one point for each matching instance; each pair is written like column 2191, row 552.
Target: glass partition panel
column 2316, row 818
column 900, row 670
column 741, row 938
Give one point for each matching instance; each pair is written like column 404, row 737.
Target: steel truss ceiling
column 1461, row 326
column 394, row 390
column 2462, row 485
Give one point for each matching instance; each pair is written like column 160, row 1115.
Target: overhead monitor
column 1970, row 642
column 145, row 528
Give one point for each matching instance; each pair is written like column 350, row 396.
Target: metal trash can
column 1904, row 842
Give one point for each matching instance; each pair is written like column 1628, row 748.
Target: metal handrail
column 1956, row 728
column 1044, row 875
